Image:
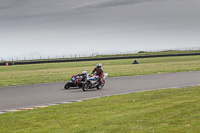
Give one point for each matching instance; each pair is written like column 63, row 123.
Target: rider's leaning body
column 83, row 76
column 99, row 72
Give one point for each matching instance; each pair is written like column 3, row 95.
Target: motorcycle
column 92, row 82
column 72, row 83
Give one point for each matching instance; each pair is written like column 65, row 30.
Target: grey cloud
column 21, row 12
column 25, row 9
column 39, row 24
column 37, row 7
column 112, row 3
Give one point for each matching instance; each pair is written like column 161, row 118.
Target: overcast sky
column 57, row 27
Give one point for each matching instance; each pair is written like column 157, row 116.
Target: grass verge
column 57, row 72
column 140, row 53
column 167, row 110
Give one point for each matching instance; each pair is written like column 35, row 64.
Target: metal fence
column 93, row 59
column 53, row 57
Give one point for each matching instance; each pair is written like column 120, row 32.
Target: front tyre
column 68, row 85
column 100, row 86
column 86, row 86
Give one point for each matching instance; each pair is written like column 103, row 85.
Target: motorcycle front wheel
column 86, row 86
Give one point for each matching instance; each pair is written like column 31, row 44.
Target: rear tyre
column 100, row 86
column 86, row 86
column 68, row 85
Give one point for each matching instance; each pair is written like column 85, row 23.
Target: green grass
column 140, row 53
column 168, row 110
column 159, row 111
column 57, row 72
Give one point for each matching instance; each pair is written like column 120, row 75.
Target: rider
column 83, row 76
column 99, row 71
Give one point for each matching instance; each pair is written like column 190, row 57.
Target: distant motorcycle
column 92, row 82
column 72, row 83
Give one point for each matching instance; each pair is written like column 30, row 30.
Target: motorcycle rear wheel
column 100, row 86
column 68, row 85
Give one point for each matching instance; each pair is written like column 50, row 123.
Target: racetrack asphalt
column 16, row 97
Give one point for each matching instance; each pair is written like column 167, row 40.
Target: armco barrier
column 95, row 59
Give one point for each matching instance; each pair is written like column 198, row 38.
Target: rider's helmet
column 84, row 73
column 99, row 66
